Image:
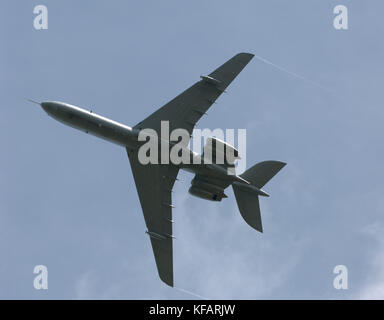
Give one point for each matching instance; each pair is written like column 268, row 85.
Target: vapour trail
column 290, row 72
column 191, row 293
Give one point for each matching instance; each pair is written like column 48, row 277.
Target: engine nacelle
column 206, row 190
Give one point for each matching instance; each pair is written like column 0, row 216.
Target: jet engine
column 220, row 152
column 202, row 188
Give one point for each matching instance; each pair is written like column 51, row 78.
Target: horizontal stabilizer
column 262, row 172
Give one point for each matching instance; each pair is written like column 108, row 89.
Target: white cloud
column 221, row 257
column 84, row 286
column 374, row 289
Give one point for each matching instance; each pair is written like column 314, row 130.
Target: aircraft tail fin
column 262, row 172
column 247, row 196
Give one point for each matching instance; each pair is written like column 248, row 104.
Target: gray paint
column 154, row 182
column 121, row 59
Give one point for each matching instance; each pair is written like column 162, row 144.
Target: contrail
column 290, row 72
column 191, row 293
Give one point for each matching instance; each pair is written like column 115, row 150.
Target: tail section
column 262, row 172
column 249, row 207
column 247, row 196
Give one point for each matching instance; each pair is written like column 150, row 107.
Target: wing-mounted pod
column 207, row 188
column 220, row 152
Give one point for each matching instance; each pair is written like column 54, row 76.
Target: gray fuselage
column 125, row 136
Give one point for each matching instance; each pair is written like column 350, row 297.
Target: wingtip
column 245, row 57
column 168, row 282
column 166, row 277
column 247, row 54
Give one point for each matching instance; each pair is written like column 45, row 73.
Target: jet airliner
column 154, row 182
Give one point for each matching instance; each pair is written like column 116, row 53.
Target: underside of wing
column 154, row 183
column 187, row 108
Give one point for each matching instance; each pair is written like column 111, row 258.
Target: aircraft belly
column 100, row 128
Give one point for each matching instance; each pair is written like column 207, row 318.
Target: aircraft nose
column 49, row 107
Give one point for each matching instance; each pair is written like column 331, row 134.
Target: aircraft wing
column 187, row 108
column 154, row 183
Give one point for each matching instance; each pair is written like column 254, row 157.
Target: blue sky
column 68, row 200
